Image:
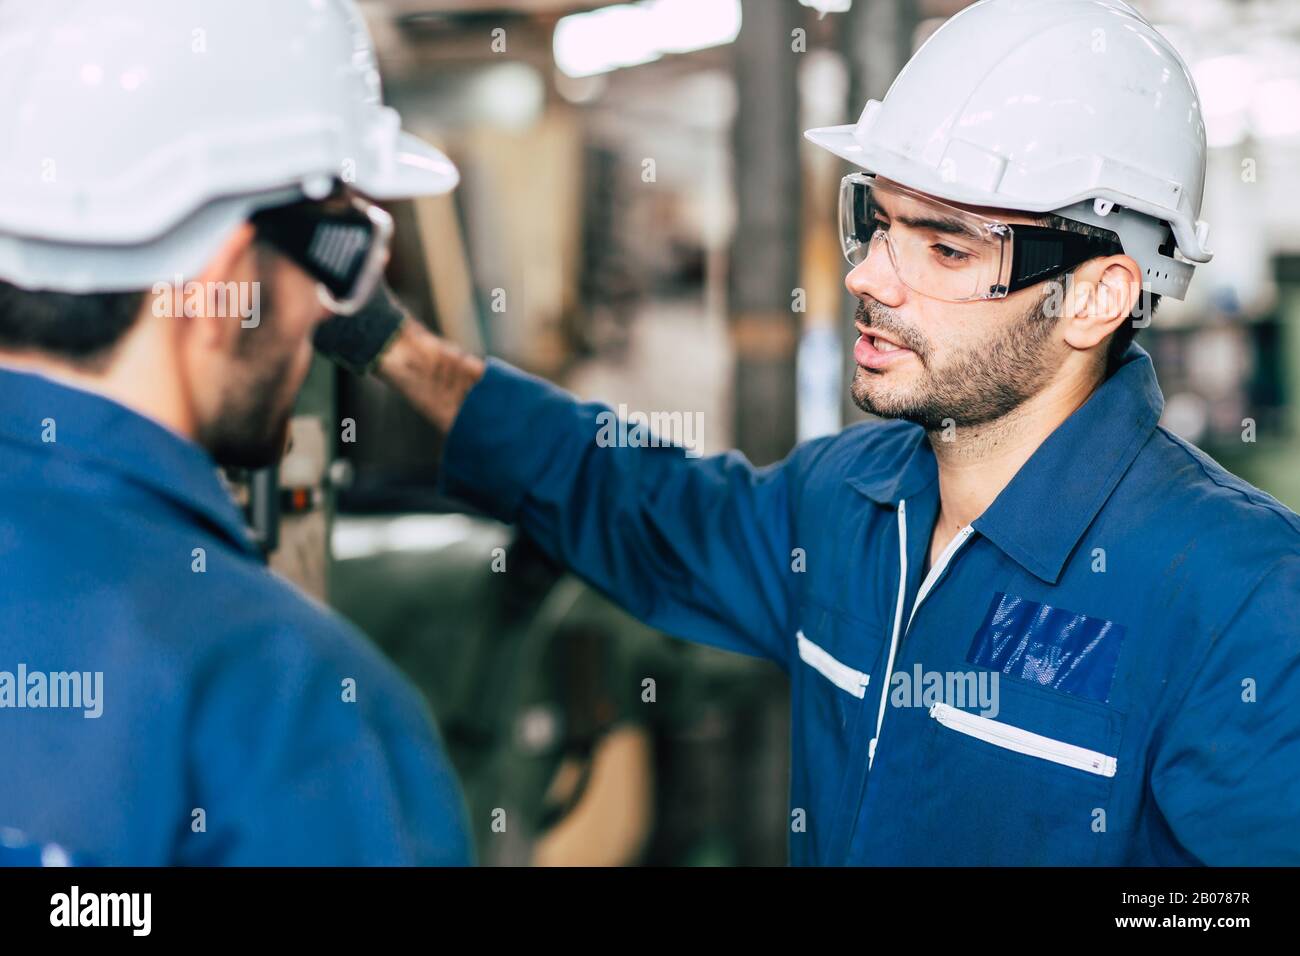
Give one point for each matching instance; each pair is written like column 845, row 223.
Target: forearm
column 432, row 374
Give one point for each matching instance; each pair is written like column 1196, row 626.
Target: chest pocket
column 1049, row 646
column 832, row 686
column 1029, row 785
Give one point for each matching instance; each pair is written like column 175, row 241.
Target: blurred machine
column 581, row 736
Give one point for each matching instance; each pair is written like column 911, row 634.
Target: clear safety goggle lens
column 341, row 241
column 938, row 250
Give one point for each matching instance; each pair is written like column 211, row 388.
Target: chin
column 883, row 404
column 870, row 394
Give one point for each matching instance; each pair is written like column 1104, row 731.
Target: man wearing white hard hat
column 174, row 226
column 1023, row 623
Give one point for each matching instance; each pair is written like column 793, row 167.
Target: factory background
column 640, row 221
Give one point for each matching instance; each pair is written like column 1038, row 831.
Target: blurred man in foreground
column 172, row 233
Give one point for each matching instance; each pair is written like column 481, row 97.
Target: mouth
column 876, row 351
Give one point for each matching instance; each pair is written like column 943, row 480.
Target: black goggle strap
column 1041, row 252
column 864, row 220
column 331, row 245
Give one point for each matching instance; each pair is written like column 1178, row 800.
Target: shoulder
column 275, row 635
column 1207, row 538
column 1210, row 503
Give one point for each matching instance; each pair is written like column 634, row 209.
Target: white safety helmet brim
column 418, row 170
column 38, row 263
column 176, row 256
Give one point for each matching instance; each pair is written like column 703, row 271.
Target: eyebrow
column 947, row 225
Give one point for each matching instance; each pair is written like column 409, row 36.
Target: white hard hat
column 1076, row 107
column 139, row 133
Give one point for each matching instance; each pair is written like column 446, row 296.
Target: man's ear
column 1103, row 295
column 212, row 311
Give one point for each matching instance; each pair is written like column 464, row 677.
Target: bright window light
column 1225, row 84
column 1273, row 111
column 629, row 34
column 824, row 7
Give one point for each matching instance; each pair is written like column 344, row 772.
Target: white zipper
column 936, row 571
column 957, row 541
column 1022, row 741
column 837, row 672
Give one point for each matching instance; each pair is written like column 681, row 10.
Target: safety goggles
column 341, row 241
column 950, row 253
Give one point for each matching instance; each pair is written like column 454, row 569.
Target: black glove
column 357, row 341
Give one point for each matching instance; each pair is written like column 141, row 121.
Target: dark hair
column 1126, row 332
column 81, row 328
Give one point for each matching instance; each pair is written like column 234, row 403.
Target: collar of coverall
column 1074, row 470
column 107, row 436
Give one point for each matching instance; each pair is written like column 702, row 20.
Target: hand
column 358, row 341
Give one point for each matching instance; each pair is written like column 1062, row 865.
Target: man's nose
column 875, row 276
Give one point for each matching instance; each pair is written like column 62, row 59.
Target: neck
column 142, row 374
column 982, row 460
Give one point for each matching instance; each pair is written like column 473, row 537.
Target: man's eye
column 949, row 254
column 880, row 224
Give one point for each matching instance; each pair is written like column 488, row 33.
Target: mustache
column 876, row 316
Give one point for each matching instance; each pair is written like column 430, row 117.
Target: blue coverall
column 238, row 721
column 1134, row 604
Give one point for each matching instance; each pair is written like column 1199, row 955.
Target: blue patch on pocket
column 1048, row 646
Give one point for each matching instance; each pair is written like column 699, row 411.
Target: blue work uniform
column 235, row 721
column 1133, row 604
